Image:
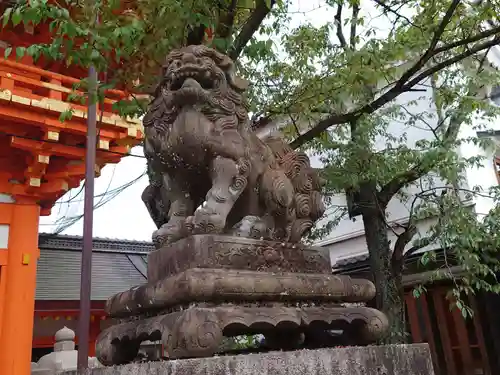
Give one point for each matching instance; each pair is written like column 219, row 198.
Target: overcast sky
column 124, row 216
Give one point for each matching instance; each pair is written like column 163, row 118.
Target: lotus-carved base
column 198, row 331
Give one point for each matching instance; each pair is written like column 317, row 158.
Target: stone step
column 371, row 360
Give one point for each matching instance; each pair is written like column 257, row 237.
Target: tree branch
column 439, row 109
column 469, row 52
column 419, row 170
column 388, row 9
column 430, row 52
column 338, row 22
column 250, row 28
column 407, row 177
column 425, row 242
column 354, row 23
column 398, row 89
column 400, row 180
column 226, row 25
column 389, row 95
column 475, row 38
column 399, row 255
column 399, row 247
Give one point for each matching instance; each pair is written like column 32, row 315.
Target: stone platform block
column 228, row 252
column 369, row 360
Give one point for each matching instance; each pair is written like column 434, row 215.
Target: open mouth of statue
column 193, row 78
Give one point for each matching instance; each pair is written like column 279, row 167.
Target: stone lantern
column 63, row 358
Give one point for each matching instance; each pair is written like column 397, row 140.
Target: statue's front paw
column 168, row 234
column 206, row 221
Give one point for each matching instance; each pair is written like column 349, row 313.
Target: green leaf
column 7, row 52
column 17, row 17
column 249, row 4
column 31, row 15
column 221, row 44
column 20, row 52
column 464, row 313
column 33, row 51
column 53, row 25
column 65, row 13
column 425, row 259
column 6, row 16
column 95, row 54
column 416, row 293
column 66, row 115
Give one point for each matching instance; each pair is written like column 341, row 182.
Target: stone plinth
column 203, row 288
column 371, row 360
column 219, row 251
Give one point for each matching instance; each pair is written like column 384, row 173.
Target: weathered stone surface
column 198, row 331
column 372, row 360
column 219, row 251
column 219, row 285
column 208, row 171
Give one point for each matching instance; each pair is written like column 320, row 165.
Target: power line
column 66, row 222
column 112, row 191
column 115, row 191
column 94, row 206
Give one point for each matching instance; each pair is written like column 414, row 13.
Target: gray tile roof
column 352, row 260
column 361, row 262
column 117, row 265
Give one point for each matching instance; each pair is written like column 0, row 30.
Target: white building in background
column 346, row 242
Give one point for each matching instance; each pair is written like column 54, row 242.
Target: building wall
column 485, row 176
column 347, row 238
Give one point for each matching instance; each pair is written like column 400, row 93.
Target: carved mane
column 200, row 96
column 224, row 105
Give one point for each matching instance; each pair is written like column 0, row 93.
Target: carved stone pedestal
column 203, row 288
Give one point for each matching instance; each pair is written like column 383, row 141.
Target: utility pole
column 88, row 216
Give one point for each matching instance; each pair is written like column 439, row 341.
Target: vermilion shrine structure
column 41, row 158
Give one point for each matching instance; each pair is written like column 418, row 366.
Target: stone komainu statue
column 209, row 173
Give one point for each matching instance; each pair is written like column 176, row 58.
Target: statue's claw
column 168, row 233
column 206, row 220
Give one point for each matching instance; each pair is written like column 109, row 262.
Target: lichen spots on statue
column 209, row 173
column 200, row 148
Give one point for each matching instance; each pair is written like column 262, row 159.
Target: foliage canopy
column 342, row 86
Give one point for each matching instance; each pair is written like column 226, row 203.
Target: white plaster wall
column 354, row 244
column 4, row 229
column 484, row 177
column 4, row 236
column 6, row 198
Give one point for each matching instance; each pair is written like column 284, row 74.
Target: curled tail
column 300, row 188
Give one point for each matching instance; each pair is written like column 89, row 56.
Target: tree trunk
column 387, row 278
